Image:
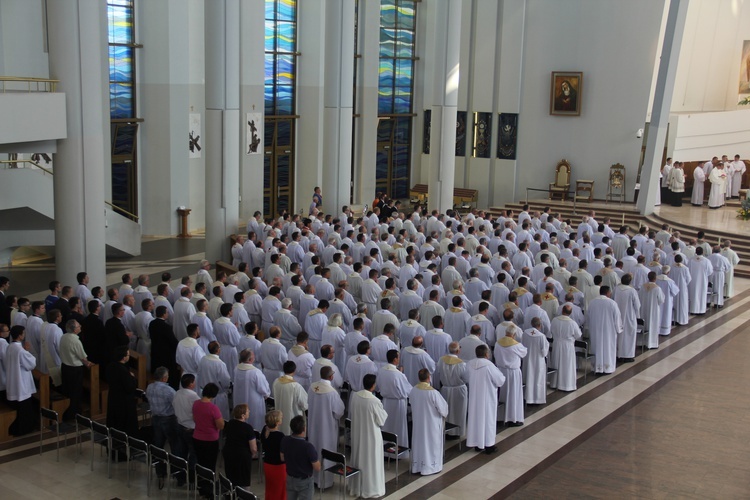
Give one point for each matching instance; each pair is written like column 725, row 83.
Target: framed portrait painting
column 565, row 93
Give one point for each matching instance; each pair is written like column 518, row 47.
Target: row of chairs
column 116, row 441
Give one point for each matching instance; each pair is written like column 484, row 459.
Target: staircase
column 627, row 211
column 27, row 217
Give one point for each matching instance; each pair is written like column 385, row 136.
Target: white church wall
column 730, row 135
column 22, row 33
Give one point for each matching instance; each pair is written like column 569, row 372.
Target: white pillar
column 222, row 129
column 657, row 132
column 78, row 58
column 441, row 67
column 339, row 74
column 366, row 140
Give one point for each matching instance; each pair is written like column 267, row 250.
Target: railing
column 12, row 164
column 547, row 191
column 16, row 83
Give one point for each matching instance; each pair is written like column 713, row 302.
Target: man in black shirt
column 301, row 461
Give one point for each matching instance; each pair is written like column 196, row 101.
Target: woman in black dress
column 240, row 447
column 273, row 466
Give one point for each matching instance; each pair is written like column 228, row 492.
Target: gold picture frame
column 566, row 93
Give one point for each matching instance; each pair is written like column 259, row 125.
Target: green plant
column 744, row 212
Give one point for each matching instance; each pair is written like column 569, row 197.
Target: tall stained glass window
column 395, row 95
column 280, row 109
column 122, row 109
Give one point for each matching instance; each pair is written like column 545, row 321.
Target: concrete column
column 78, row 58
column 222, row 125
column 339, row 74
column 657, row 133
column 366, row 140
column 442, row 63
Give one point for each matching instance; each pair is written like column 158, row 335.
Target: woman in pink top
column 208, row 423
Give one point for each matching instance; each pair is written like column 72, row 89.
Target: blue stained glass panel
column 285, row 34
column 285, row 69
column 120, row 100
column 270, row 35
column 385, row 73
column 399, row 189
column 268, row 134
column 282, row 169
column 283, row 133
column 120, row 64
column 284, row 99
column 267, row 169
column 403, row 130
column 387, row 43
column 120, row 24
column 124, row 139
column 387, row 14
column 286, row 10
column 403, row 72
column 269, row 71
column 406, row 15
column 270, row 9
column 404, row 43
column 384, row 130
column 385, row 104
column 381, row 166
column 268, row 96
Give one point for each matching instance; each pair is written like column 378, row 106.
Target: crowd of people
column 382, row 319
column 724, row 176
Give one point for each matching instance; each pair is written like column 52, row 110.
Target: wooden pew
column 47, row 396
column 92, row 383
column 463, row 196
column 227, row 268
column 418, row 193
column 137, row 365
column 7, row 416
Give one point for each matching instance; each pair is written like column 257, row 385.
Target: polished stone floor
column 670, row 425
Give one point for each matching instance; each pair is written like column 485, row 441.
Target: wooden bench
column 47, row 396
column 227, row 268
column 137, row 365
column 7, row 416
column 464, row 198
column 92, row 384
column 418, row 193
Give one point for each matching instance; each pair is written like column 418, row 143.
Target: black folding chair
column 202, row 473
column 99, row 435
column 243, row 494
column 138, row 450
column 82, row 424
column 179, row 465
column 582, row 352
column 118, row 441
column 54, row 426
column 226, row 488
column 338, row 468
column 158, row 457
column 391, row 449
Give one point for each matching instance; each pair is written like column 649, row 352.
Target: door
column 278, row 167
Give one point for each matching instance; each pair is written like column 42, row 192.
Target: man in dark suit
column 92, row 336
column 4, row 308
column 63, row 305
column 164, row 345
column 115, row 334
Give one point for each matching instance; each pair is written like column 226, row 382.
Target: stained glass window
column 279, row 96
column 395, row 95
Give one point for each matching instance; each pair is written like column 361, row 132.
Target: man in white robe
column 269, row 306
column 315, row 324
column 451, row 372
column 205, row 324
column 652, row 298
column 19, row 363
column 327, row 353
column 429, row 309
column 564, row 332
column 325, row 409
column 508, row 355
column 670, row 289
column 289, row 396
column 290, row 327
column 535, row 364
column 629, row 304
column 410, row 328
column 484, row 380
column 718, row 179
column 303, row 359
column 359, row 366
column 50, row 335
column 604, row 323
column 700, row 275
column 738, row 169
column 394, row 389
column 457, row 320
column 721, row 267
column 273, row 355
column 251, row 388
column 189, row 352
column 414, row 358
column 436, row 340
column 486, row 330
column 213, row 370
column 699, row 182
column 184, row 310
column 381, row 345
column 368, row 416
column 228, row 336
column 253, row 304
column 733, row 259
column 429, row 409
column 680, row 274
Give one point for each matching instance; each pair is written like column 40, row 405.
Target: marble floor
column 671, row 424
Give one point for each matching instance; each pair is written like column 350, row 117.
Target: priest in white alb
column 251, row 388
column 484, row 379
column 699, row 182
column 428, row 409
column 700, row 274
column 451, row 370
column 680, row 274
column 670, row 290
column 535, row 364
column 718, row 179
column 325, row 409
column 508, row 355
column 733, row 259
column 652, row 299
column 394, row 388
column 368, row 416
column 629, row 304
column 289, row 396
column 604, row 323
column 721, row 267
column 564, row 332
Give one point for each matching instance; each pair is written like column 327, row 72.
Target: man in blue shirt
column 160, row 396
column 301, row 461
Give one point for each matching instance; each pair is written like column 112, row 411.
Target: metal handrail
column 50, row 172
column 118, row 209
column 49, row 84
column 547, row 191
